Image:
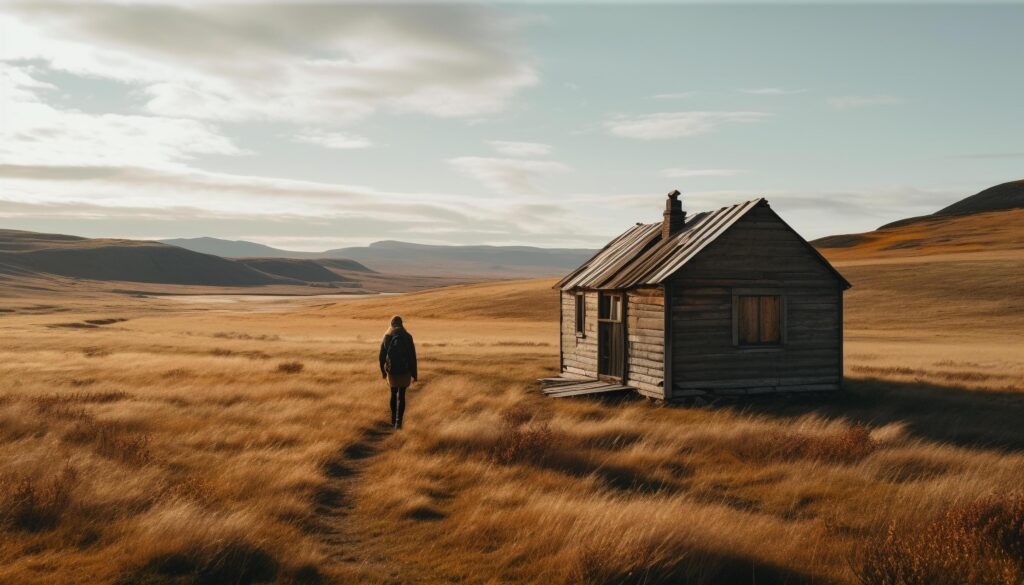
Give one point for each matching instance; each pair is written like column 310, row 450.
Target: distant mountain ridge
column 403, row 257
column 233, row 248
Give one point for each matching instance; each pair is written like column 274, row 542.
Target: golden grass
column 524, row 300
column 183, row 445
column 943, row 235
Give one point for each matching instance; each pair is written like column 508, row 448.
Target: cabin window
column 581, row 315
column 610, row 308
column 759, row 320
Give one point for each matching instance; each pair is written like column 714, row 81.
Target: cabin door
column 611, row 337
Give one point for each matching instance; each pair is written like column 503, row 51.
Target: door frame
column 621, row 377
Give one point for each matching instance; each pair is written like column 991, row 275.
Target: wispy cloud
column 507, row 175
column 36, row 132
column 851, row 102
column 674, row 96
column 681, row 173
column 336, row 140
column 521, row 149
column 772, row 91
column 122, row 201
column 285, row 61
column 667, row 125
column 813, row 213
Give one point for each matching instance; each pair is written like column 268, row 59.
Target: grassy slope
column 524, row 300
column 191, row 453
column 122, row 260
column 1001, row 231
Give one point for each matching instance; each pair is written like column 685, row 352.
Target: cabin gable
column 758, row 310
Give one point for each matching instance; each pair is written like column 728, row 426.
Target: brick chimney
column 674, row 216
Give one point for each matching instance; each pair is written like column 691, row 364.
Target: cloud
column 686, row 173
column 667, row 125
column 674, row 96
column 521, row 149
column 814, row 213
column 146, row 203
column 136, row 202
column 851, row 102
column 507, row 175
column 38, row 133
column 290, row 62
column 336, row 140
column 772, row 91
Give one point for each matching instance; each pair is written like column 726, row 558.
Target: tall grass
column 190, row 457
column 978, row 543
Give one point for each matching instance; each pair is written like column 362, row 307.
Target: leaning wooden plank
column 576, row 387
column 599, row 390
column 577, row 393
column 564, row 379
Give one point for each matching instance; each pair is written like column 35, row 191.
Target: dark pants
column 397, row 404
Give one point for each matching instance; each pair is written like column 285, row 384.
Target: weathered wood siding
column 758, row 252
column 579, row 354
column 645, row 340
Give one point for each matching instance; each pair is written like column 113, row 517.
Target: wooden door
column 611, row 337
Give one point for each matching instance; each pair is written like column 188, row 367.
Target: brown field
column 144, row 440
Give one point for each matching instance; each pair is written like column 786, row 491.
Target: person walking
column 398, row 366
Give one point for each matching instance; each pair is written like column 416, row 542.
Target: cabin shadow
column 948, row 414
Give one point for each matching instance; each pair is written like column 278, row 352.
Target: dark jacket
column 410, row 346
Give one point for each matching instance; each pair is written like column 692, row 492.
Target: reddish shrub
column 979, row 543
column 851, row 445
column 290, row 367
column 111, row 440
column 523, row 437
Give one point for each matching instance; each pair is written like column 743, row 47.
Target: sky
column 318, row 126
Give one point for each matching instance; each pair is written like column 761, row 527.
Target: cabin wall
column 579, row 354
column 758, row 252
column 645, row 340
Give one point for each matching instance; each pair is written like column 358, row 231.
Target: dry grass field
column 144, row 440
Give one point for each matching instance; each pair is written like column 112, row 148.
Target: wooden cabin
column 731, row 301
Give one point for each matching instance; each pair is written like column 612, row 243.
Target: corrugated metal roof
column 639, row 257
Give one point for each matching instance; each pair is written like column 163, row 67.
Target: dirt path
column 335, row 501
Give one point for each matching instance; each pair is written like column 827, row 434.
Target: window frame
column 614, row 303
column 580, row 314
column 758, row 292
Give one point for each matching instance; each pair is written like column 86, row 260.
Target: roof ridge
column 639, row 256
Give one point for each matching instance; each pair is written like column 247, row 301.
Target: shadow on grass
column 967, row 418
column 694, row 567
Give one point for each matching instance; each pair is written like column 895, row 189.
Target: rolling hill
column 490, row 261
column 122, row 260
column 234, row 248
column 407, row 258
column 301, row 270
column 34, row 255
column 990, row 222
column 1005, row 196
column 1002, row 197
column 959, row 269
